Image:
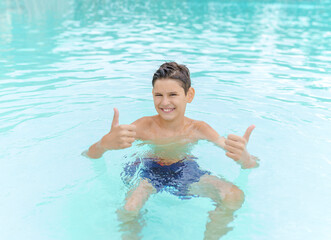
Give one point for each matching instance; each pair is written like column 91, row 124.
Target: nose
column 165, row 101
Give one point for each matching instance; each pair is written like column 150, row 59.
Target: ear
column 190, row 94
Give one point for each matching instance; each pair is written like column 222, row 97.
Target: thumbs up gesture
column 236, row 149
column 120, row 136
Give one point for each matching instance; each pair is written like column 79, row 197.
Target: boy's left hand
column 236, row 149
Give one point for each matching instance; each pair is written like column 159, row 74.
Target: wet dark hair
column 174, row 71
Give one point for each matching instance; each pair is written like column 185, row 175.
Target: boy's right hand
column 120, row 136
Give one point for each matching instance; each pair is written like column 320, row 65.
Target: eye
column 157, row 95
column 173, row 94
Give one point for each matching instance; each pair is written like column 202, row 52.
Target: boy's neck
column 175, row 125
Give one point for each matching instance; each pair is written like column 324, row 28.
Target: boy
column 171, row 132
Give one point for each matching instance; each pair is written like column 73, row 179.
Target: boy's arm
column 235, row 146
column 119, row 137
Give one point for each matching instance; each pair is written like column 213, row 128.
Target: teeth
column 167, row 109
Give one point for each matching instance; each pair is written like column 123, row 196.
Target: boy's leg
column 137, row 197
column 131, row 223
column 227, row 197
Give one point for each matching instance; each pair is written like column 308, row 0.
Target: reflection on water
column 65, row 64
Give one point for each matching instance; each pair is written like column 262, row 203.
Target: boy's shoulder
column 143, row 126
column 196, row 125
column 204, row 130
column 144, row 121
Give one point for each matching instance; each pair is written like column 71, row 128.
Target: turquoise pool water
column 65, row 64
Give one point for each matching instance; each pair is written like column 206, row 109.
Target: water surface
column 65, row 64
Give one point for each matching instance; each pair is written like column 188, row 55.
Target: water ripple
column 65, row 64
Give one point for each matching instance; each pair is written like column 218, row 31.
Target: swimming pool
column 65, row 64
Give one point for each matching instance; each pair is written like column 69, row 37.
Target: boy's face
column 170, row 99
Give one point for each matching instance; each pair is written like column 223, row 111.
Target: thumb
column 248, row 132
column 115, row 118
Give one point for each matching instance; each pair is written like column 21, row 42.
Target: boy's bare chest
column 169, row 145
column 170, row 148
column 164, row 136
column 168, row 138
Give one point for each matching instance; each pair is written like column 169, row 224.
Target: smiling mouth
column 167, row 110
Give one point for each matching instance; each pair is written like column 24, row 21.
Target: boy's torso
column 169, row 146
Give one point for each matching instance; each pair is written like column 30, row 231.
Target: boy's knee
column 234, row 198
column 139, row 196
column 132, row 206
column 134, row 202
column 125, row 215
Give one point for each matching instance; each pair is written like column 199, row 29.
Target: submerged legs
column 227, row 197
column 129, row 216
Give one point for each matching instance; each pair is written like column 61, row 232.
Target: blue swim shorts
column 175, row 178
